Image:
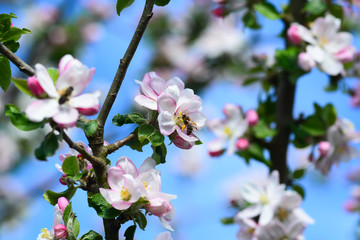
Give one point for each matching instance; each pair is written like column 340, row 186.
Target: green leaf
column 19, row 119
column 70, row 166
column 140, row 219
column 299, row 189
column 130, row 233
column 122, row 4
column 5, row 16
column 336, row 10
column 227, row 220
column 89, row 128
column 73, row 227
column 159, row 154
column 102, row 207
column 54, row 74
column 14, row 33
column 5, row 70
column 288, row 58
column 67, row 213
column 299, row 173
column 162, row 3
column 250, row 21
column 91, row 235
column 268, row 10
column 48, row 147
column 315, row 7
column 150, row 133
column 314, row 126
column 261, row 130
column 12, row 45
column 52, row 197
column 119, row 120
column 198, row 142
column 329, row 114
column 76, row 227
column 21, row 84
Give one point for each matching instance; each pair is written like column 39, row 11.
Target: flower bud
column 62, row 179
column 216, row 153
column 242, row 144
column 219, row 12
column 35, row 87
column 306, row 61
column 62, row 203
column 60, row 231
column 324, row 148
column 159, row 207
column 293, row 34
column 252, row 117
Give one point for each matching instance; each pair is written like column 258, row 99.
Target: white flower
column 277, row 230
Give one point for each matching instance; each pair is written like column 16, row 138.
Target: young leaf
column 119, row 120
column 5, row 70
column 19, row 119
column 140, row 219
column 267, row 9
column 130, row 233
column 122, row 4
column 48, row 147
column 70, row 166
column 91, row 235
column 315, row 7
column 150, row 133
column 102, row 207
column 12, row 45
column 261, row 130
column 52, row 197
column 159, row 154
column 250, row 21
column 21, row 84
column 227, row 220
column 299, row 173
column 54, row 74
column 14, row 33
column 162, row 3
column 89, row 128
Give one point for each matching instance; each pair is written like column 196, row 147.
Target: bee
column 188, row 124
column 65, row 95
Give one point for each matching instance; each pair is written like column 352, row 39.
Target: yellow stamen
column 45, row 234
column 227, row 131
column 125, row 194
column 283, row 214
column 264, row 199
column 323, row 40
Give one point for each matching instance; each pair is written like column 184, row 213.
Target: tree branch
column 124, row 62
column 23, row 66
column 118, row 144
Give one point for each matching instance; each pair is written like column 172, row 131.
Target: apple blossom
column 327, row 46
column 58, row 219
column 60, row 231
column 293, row 34
column 324, row 148
column 227, row 130
column 35, row 87
column 247, row 229
column 277, row 230
column 306, row 61
column 339, row 135
column 64, row 102
column 263, row 200
column 151, row 87
column 180, row 112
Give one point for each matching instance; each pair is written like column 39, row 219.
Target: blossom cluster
column 128, row 184
column 60, row 98
column 58, row 230
column 178, row 107
column 336, row 148
column 270, row 212
column 230, row 131
column 326, row 47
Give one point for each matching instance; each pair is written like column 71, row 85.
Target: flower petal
column 116, row 178
column 183, row 134
column 45, row 80
column 127, row 166
column 147, row 165
column 166, row 103
column 66, row 116
column 147, row 102
column 166, row 123
column 41, row 109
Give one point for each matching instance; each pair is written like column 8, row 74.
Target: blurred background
column 211, row 55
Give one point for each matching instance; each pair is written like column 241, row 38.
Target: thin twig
column 118, row 144
column 125, row 61
column 23, row 66
column 93, row 160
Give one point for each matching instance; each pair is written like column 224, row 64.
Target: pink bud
column 181, row 143
column 159, row 207
column 242, row 144
column 306, row 61
column 219, row 12
column 293, row 34
column 35, row 87
column 324, row 148
column 346, row 54
column 62, row 179
column 62, row 203
column 216, row 153
column 60, row 231
column 252, row 117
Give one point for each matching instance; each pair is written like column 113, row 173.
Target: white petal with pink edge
column 41, row 109
column 45, row 81
column 127, row 166
column 145, row 101
column 166, row 123
column 66, row 116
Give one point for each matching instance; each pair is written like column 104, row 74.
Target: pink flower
column 65, row 102
column 151, row 87
column 60, row 231
column 62, row 203
column 180, row 112
column 242, row 144
column 293, row 34
column 35, row 87
column 346, row 54
column 324, row 148
column 252, row 117
column 306, row 61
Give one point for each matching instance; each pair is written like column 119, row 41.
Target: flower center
column 283, row 213
column 125, row 194
column 65, row 94
column 45, row 234
column 184, row 121
column 323, row 41
column 264, row 199
column 227, row 131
